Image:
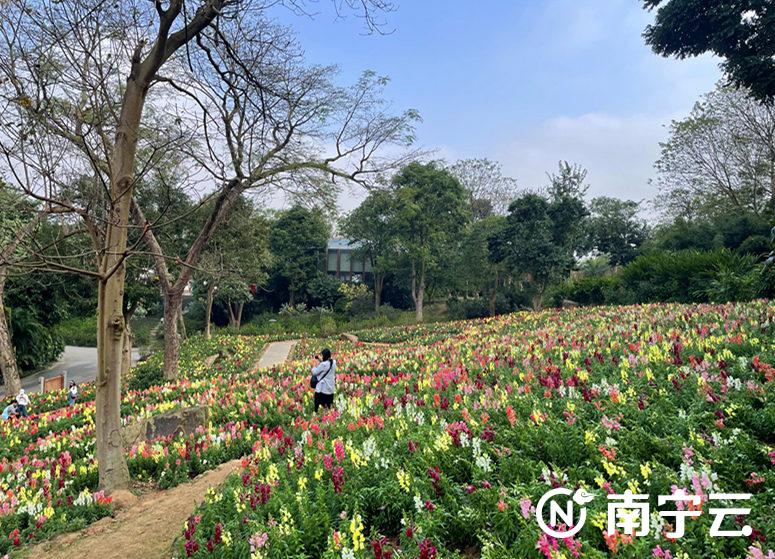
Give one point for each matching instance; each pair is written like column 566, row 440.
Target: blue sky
column 524, row 82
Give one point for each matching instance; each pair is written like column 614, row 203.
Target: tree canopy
column 740, row 32
column 719, row 159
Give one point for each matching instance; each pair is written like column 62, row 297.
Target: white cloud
column 619, row 152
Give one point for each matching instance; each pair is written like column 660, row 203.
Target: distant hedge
column 687, row 276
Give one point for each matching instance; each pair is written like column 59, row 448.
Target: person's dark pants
column 23, row 411
column 323, row 400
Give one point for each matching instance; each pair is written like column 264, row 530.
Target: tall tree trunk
column 182, row 321
column 7, row 357
column 111, row 328
column 494, row 295
column 232, row 318
column 418, row 290
column 113, row 471
column 291, row 296
column 379, row 280
column 209, row 309
column 240, row 306
column 172, row 302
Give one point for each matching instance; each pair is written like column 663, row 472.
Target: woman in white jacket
column 324, row 379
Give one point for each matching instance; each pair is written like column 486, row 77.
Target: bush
column 588, row 291
column 323, row 291
column 362, row 305
column 146, row 374
column 687, row 276
column 755, row 245
column 684, row 276
column 478, row 307
column 79, row 331
column 739, row 283
column 468, row 308
column 35, row 345
column 82, row 330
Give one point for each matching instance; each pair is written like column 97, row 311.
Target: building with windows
column 343, row 263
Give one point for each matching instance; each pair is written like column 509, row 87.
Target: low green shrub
column 686, row 276
column 82, row 330
column 35, row 345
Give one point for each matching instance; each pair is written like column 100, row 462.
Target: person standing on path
column 23, row 400
column 323, row 380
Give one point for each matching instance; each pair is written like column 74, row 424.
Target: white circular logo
column 567, row 515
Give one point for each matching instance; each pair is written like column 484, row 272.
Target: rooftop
column 339, row 243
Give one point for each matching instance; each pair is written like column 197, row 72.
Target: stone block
column 176, row 422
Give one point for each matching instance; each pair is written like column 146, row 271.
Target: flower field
column 442, row 446
column 48, row 474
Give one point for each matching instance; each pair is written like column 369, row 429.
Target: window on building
column 344, row 261
column 331, row 261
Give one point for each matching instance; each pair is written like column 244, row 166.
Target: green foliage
column 726, row 231
column 590, row 290
column 237, row 256
column 740, row 33
column 35, row 345
column 82, row 330
column 733, row 281
column 431, row 212
column 472, row 270
column 684, row 276
column 372, row 225
column 356, row 299
column 298, row 241
column 614, row 228
column 598, row 265
column 755, row 245
column 541, row 235
column 477, row 307
column 323, row 291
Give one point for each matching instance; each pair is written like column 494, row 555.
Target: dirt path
column 147, row 529
column 144, row 531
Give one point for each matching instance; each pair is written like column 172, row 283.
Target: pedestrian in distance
column 72, row 394
column 323, row 380
column 10, row 411
column 23, row 401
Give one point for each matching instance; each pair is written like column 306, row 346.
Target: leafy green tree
column 18, row 221
column 542, row 234
column 298, row 240
column 431, row 213
column 739, row 32
column 720, row 159
column 475, row 271
column 615, row 229
column 729, row 231
column 372, row 225
column 236, row 258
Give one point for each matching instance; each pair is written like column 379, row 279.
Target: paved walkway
column 275, row 353
column 79, row 362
